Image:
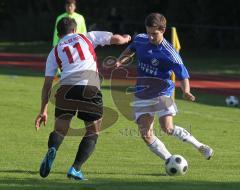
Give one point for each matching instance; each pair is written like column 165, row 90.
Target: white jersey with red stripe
column 75, row 55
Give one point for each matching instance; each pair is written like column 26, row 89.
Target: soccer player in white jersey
column 157, row 59
column 79, row 91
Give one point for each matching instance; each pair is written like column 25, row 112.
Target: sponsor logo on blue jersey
column 158, row 61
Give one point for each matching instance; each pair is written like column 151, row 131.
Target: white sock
column 159, row 149
column 185, row 136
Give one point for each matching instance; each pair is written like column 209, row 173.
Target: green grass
column 121, row 160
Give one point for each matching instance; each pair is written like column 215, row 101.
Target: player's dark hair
column 156, row 20
column 66, row 25
column 67, row 2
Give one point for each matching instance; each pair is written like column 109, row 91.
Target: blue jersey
column 155, row 64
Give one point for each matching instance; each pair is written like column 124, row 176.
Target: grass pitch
column 121, row 160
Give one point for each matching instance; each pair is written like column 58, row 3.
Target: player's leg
column 90, row 111
column 62, row 122
column 88, row 143
column 54, row 141
column 167, row 126
column 64, row 111
column 86, row 148
column 166, row 122
column 145, row 123
column 62, row 125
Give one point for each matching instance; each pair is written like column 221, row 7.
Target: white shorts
column 162, row 105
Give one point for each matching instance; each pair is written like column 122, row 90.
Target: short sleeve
column 99, row 38
column 51, row 65
column 175, row 61
column 180, row 71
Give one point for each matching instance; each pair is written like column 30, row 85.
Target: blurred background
column 200, row 23
column 208, row 30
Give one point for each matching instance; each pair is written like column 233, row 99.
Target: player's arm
column 125, row 56
column 46, row 90
column 120, row 39
column 185, row 86
column 103, row 38
column 125, row 59
column 51, row 68
column 182, row 75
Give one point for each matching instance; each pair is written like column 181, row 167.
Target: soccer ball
column 176, row 165
column 232, row 101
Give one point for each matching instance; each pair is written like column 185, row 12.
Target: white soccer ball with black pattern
column 176, row 165
column 232, row 101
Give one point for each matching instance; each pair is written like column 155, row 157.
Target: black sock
column 85, row 149
column 55, row 140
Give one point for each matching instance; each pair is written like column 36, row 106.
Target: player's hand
column 118, row 64
column 188, row 96
column 127, row 37
column 41, row 118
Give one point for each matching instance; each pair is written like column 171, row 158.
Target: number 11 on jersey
column 69, row 54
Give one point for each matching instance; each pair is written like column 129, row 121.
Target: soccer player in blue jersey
column 157, row 59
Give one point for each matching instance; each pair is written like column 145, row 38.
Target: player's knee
column 167, row 129
column 146, row 139
column 61, row 131
column 93, row 127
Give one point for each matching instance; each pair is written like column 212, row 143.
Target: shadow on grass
column 30, row 172
column 112, row 184
column 19, row 172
